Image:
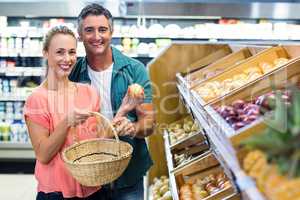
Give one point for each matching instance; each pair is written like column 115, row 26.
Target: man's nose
column 97, row 35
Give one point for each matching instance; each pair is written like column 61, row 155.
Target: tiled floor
column 23, row 187
column 17, row 187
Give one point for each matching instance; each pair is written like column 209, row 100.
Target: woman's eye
column 72, row 52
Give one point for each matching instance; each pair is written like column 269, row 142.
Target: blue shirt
column 126, row 71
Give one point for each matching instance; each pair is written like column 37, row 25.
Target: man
column 111, row 73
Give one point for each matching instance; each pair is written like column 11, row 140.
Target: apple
column 135, row 90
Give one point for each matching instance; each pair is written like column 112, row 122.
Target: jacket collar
column 118, row 59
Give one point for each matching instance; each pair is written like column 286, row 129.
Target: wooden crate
column 189, row 178
column 220, row 65
column 207, row 60
column 277, row 79
column 267, row 55
column 193, row 76
column 200, row 64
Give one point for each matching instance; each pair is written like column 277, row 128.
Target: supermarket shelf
column 22, row 71
column 12, row 55
column 12, row 98
column 12, row 151
column 15, row 145
column 172, row 180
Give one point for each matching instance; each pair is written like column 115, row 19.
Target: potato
column 163, row 189
column 167, row 196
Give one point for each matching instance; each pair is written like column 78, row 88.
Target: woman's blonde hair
column 56, row 30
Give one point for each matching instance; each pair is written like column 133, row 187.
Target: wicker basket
column 96, row 162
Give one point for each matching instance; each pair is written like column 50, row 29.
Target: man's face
column 95, row 34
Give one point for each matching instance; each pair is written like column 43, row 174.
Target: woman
column 52, row 110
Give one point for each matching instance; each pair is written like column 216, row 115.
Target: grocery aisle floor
column 17, row 187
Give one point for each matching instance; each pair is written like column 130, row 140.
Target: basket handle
column 99, row 118
column 74, row 133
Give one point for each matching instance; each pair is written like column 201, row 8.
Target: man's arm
column 146, row 120
column 144, row 125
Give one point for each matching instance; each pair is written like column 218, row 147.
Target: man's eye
column 88, row 30
column 103, row 30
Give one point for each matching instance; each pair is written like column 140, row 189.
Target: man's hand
column 124, row 126
column 130, row 102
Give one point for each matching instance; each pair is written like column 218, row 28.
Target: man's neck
column 100, row 62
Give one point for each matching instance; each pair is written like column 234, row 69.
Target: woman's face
column 61, row 55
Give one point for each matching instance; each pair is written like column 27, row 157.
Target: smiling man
column 111, row 73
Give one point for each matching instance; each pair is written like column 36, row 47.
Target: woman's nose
column 67, row 57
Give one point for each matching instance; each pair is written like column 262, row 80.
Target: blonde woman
column 51, row 110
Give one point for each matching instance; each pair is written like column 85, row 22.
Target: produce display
column 204, row 187
column 190, row 152
column 179, row 131
column 206, row 74
column 181, row 159
column 273, row 160
column 214, row 89
column 160, row 189
column 241, row 113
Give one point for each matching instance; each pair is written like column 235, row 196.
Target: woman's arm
column 47, row 145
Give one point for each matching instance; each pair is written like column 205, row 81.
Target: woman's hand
column 77, row 117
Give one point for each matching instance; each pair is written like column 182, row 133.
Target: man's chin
column 98, row 50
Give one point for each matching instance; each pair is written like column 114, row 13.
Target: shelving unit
column 227, row 154
column 20, row 151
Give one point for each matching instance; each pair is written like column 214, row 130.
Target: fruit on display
column 266, row 67
column 179, row 131
column 270, row 182
column 206, row 75
column 189, row 152
column 241, row 113
column 135, row 90
column 280, row 61
column 273, row 160
column 214, row 89
column 204, row 187
column 160, row 189
column 181, row 159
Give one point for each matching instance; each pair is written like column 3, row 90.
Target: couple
column 60, row 103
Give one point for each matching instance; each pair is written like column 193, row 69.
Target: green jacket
column 125, row 72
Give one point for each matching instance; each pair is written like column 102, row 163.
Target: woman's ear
column 45, row 54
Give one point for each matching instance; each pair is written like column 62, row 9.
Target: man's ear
column 79, row 38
